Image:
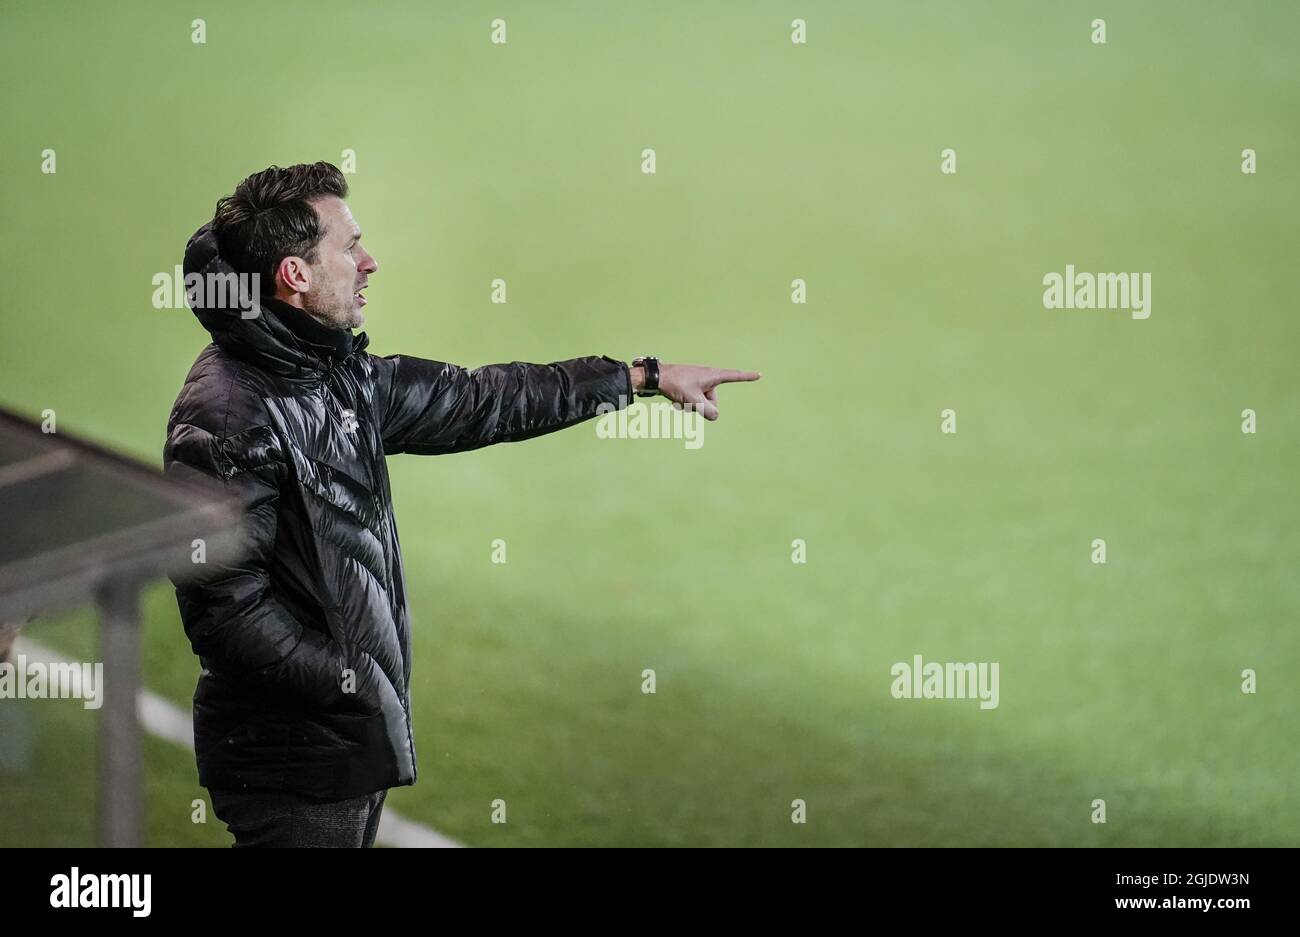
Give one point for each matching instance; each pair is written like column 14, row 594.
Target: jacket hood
column 241, row 321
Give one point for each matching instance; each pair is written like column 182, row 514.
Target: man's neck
column 330, row 342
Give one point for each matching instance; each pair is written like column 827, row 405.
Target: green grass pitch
column 774, row 161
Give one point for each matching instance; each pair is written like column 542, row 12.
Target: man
column 302, row 714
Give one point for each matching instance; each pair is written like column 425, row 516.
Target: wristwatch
column 651, row 366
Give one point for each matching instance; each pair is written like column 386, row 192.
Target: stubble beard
column 337, row 312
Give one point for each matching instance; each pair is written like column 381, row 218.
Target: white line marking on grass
column 396, row 830
column 167, row 721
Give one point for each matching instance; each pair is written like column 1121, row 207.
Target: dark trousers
column 270, row 818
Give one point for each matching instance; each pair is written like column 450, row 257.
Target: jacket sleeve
column 431, row 408
column 230, row 614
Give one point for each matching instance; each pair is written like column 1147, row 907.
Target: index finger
column 723, row 376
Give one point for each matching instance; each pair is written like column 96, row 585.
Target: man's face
column 342, row 268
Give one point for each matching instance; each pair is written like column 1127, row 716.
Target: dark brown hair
column 268, row 217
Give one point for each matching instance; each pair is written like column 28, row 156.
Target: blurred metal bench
column 81, row 524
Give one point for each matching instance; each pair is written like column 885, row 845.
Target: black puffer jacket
column 302, row 629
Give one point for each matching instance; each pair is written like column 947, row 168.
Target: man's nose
column 369, row 265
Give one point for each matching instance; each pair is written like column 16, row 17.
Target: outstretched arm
column 431, row 407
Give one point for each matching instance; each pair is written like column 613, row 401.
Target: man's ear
column 293, row 273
